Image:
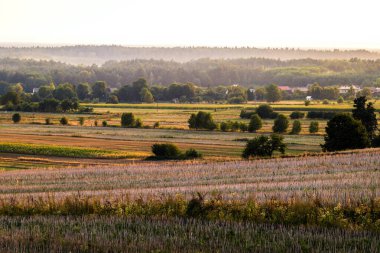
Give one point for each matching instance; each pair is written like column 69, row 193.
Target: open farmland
column 333, row 178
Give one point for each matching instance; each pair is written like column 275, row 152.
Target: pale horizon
column 275, row 24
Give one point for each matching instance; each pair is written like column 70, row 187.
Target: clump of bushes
column 128, row 120
column 320, row 115
column 264, row 146
column 233, row 126
column 202, row 120
column 16, row 118
column 297, row 115
column 266, row 112
column 165, row 151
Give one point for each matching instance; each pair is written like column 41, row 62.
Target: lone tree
column 273, row 93
column 16, row 118
column 281, row 124
column 255, row 123
column 264, row 146
column 127, row 120
column 344, row 132
column 366, row 114
column 266, row 112
column 313, row 127
column 296, row 129
column 166, row 151
column 201, row 120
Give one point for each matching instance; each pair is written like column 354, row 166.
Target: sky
column 253, row 23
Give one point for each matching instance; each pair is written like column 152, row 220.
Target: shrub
column 156, row 125
column 243, row 127
column 264, row 146
column 320, row 115
column 313, row 127
column 192, row 154
column 325, row 102
column 266, row 112
column 344, row 132
column 244, row 114
column 64, row 121
column 255, row 123
column 281, row 124
column 166, row 151
column 224, row 127
column 81, row 121
column 127, row 120
column 340, row 100
column 297, row 115
column 138, row 123
column 296, row 129
column 16, row 118
column 96, row 123
column 104, row 123
column 307, row 102
column 201, row 120
column 47, row 121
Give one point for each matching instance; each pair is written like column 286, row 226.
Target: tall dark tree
column 83, row 91
column 366, row 114
column 344, row 132
column 273, row 93
column 99, row 90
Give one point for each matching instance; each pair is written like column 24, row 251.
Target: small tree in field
column 16, row 118
column 314, row 127
column 166, row 151
column 255, row 123
column 81, row 121
column 296, row 129
column 281, row 124
column 264, row 146
column 64, row 121
column 127, row 120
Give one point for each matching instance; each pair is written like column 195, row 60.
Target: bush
column 104, row 123
column 264, row 146
column 281, row 124
column 127, row 120
column 47, row 121
column 192, row 154
column 320, row 115
column 325, row 102
column 224, row 127
column 16, row 118
column 138, row 123
column 340, row 100
column 255, row 123
column 96, row 123
column 201, row 120
column 166, row 151
column 64, row 121
column 344, row 132
column 156, row 125
column 297, row 115
column 296, row 129
column 243, row 127
column 81, row 121
column 307, row 102
column 266, row 112
column 244, row 114
column 314, row 127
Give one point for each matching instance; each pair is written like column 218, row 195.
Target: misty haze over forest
column 88, row 55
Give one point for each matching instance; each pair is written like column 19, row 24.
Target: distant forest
column 252, row 72
column 89, row 55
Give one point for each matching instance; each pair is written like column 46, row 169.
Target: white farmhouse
column 346, row 88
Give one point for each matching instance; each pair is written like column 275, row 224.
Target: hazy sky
column 272, row 23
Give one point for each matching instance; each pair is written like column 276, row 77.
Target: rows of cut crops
column 333, row 178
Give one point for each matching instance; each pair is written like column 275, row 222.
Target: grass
column 59, row 151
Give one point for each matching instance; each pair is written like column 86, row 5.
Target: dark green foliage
column 104, row 123
column 99, row 90
column 281, row 124
column 83, row 91
column 138, row 123
column 48, row 121
column 344, row 132
column 65, row 92
column 201, row 120
column 296, row 128
column 273, row 93
column 192, row 154
column 48, row 105
column 146, row 96
column 128, row 120
column 340, row 100
column 16, row 118
column 366, row 114
column 64, row 121
column 313, row 127
column 81, row 121
column 255, row 123
column 266, row 112
column 156, row 125
column 244, row 114
column 112, row 100
column 320, row 115
column 297, row 115
column 10, row 97
column 166, row 151
column 264, row 146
